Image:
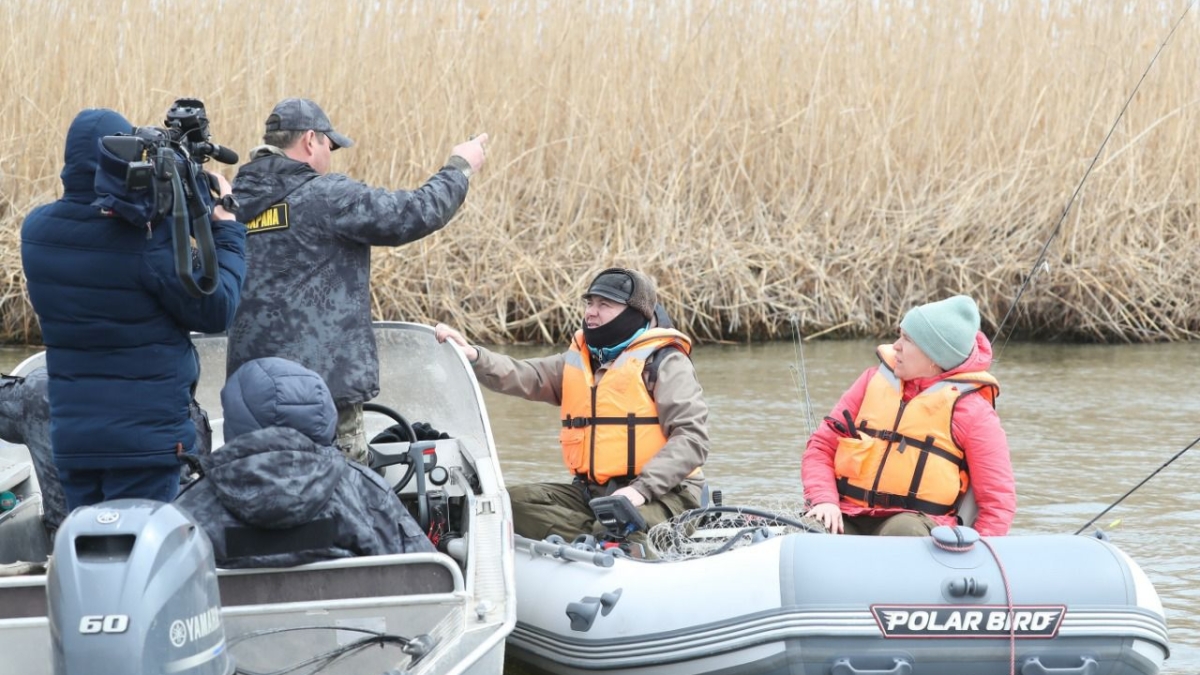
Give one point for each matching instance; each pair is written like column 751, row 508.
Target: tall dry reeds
column 832, row 162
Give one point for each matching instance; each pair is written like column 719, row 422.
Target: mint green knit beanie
column 944, row 330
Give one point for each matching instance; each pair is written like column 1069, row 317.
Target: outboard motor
column 132, row 590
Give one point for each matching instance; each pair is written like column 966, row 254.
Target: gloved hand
column 426, row 432
column 393, row 434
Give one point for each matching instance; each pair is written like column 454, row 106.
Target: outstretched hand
column 442, row 332
column 473, row 150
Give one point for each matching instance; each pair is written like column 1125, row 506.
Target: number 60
column 110, row 623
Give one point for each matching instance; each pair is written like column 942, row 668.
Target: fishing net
column 715, row 529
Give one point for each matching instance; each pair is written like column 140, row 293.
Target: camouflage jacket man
column 307, row 293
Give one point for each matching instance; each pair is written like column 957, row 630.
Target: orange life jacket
column 610, row 428
column 904, row 456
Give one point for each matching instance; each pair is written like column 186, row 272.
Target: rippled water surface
column 1085, row 425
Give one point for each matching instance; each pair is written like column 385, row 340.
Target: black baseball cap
column 302, row 114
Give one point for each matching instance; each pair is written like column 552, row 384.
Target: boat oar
column 565, row 551
column 1135, row 487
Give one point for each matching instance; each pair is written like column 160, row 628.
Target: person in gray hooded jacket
column 25, row 419
column 278, row 493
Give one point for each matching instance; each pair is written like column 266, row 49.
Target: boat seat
column 13, row 474
column 968, row 511
column 343, row 579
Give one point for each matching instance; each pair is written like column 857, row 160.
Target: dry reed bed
column 828, row 162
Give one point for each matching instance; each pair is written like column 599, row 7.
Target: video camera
column 154, row 172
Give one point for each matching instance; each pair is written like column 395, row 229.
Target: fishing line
column 1135, row 487
column 1041, row 259
column 802, row 383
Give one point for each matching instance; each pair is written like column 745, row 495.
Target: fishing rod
column 1041, row 259
column 1135, row 487
column 802, row 381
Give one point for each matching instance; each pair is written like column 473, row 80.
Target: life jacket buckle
column 889, row 436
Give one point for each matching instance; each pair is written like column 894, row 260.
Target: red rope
column 1012, row 623
column 1012, row 620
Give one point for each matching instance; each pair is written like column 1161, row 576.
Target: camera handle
column 182, row 229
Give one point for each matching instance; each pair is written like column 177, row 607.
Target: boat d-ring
column 844, row 667
column 1033, row 666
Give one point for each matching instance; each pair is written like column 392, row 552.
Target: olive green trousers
column 908, row 524
column 543, row 509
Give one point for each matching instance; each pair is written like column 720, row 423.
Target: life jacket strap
column 629, row 420
column 924, row 444
column 883, row 500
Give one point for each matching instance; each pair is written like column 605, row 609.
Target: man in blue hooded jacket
column 278, row 493
column 115, row 321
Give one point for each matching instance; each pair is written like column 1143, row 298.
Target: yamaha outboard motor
column 132, row 589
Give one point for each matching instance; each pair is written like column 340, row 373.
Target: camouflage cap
column 627, row 287
column 302, row 114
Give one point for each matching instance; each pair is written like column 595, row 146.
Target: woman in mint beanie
column 902, row 446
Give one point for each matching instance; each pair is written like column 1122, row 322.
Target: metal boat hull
column 463, row 597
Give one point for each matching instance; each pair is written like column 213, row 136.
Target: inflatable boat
column 128, row 577
column 806, row 603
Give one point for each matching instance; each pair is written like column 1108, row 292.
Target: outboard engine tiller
column 132, row 590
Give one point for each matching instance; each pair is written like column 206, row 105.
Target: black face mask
column 621, row 328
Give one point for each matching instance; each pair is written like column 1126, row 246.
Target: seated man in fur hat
column 634, row 420
column 279, row 493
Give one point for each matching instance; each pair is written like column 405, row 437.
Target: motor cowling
column 132, row 590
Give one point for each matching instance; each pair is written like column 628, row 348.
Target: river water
column 1086, row 423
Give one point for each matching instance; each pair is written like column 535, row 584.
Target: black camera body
column 186, row 131
column 153, row 172
column 138, row 150
column 187, row 127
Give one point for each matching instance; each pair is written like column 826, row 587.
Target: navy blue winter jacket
column 115, row 318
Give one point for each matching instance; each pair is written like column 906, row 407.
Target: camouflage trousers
column 908, row 524
column 351, row 435
column 542, row 509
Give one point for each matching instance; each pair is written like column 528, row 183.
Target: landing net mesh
column 713, row 530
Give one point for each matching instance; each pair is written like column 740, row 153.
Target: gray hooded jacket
column 278, row 493
column 25, row 419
